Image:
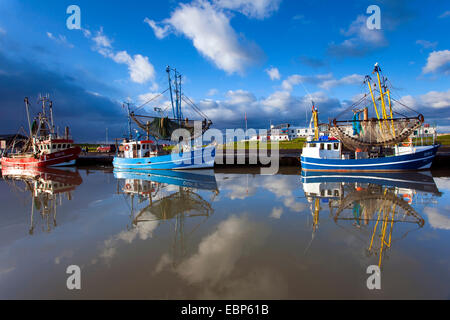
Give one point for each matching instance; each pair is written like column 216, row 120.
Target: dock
column 238, row 158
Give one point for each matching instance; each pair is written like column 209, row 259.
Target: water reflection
column 155, row 196
column 47, row 187
column 371, row 204
column 228, row 234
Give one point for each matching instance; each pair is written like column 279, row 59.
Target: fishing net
column 169, row 207
column 375, row 132
column 162, row 128
column 373, row 201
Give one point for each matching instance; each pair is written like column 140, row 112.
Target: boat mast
column 373, row 98
column 129, row 119
column 28, row 116
column 178, row 95
column 170, row 90
column 316, row 121
column 179, row 104
column 383, row 105
column 51, row 116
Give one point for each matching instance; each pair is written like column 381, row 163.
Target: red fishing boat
column 43, row 147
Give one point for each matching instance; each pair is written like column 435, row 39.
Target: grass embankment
column 444, row 139
column 246, row 145
column 91, row 147
column 283, row 145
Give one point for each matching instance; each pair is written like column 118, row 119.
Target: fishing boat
column 147, row 152
column 387, row 142
column 43, row 147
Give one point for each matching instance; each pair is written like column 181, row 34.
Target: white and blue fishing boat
column 149, row 152
column 381, row 143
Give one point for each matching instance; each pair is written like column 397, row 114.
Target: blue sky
column 267, row 58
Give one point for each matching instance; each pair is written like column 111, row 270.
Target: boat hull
column 61, row 158
column 421, row 159
column 196, row 159
column 64, row 177
column 422, row 181
column 201, row 179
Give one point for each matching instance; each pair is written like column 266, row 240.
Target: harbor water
column 224, row 234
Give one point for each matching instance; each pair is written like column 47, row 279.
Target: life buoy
column 127, row 147
column 407, row 144
column 407, row 198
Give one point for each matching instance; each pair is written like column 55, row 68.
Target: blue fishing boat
column 151, row 152
column 136, row 156
column 372, row 144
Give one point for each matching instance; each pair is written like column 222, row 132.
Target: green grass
column 444, row 139
column 283, row 145
column 91, row 147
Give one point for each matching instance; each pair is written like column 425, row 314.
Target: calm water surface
column 229, row 234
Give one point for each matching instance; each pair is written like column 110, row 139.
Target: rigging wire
column 154, row 98
column 310, row 98
column 404, row 105
column 352, row 105
column 194, row 106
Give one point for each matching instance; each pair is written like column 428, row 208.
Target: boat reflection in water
column 166, row 195
column 48, row 186
column 374, row 204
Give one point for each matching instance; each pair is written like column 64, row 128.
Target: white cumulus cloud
column 438, row 61
column 273, row 73
column 139, row 67
column 160, row 32
column 209, row 29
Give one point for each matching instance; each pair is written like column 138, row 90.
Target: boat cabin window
column 59, row 146
column 336, row 146
column 321, row 146
column 54, row 146
column 329, row 146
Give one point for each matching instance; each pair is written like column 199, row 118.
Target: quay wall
column 287, row 157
